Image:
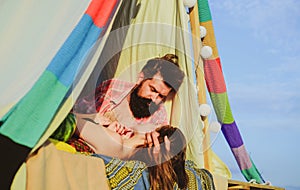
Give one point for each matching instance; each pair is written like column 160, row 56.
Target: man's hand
column 121, row 129
column 152, row 140
column 102, row 120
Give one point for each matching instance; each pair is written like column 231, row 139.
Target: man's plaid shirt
column 109, row 94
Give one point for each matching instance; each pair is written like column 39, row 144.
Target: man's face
column 147, row 96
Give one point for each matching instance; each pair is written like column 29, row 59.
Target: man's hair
column 168, row 67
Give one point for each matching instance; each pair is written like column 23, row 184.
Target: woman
column 166, row 162
column 169, row 167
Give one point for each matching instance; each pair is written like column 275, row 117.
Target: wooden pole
column 197, row 44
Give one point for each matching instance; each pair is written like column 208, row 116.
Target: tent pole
column 197, row 44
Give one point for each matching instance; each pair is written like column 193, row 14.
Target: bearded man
column 138, row 106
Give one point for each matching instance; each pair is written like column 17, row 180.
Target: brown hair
column 171, row 165
column 167, row 66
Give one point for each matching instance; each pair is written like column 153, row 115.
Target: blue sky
column 258, row 43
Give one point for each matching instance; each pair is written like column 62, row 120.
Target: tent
column 55, row 52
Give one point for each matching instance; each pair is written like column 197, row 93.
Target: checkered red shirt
column 109, row 94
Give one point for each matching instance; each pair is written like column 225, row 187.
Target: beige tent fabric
column 219, row 167
column 52, row 169
column 221, row 182
column 161, row 27
column 19, row 182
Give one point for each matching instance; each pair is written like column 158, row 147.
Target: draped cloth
column 53, row 166
column 134, row 175
column 158, row 28
column 27, row 121
column 39, row 112
column 51, row 169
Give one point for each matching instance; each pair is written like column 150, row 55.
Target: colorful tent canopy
column 137, row 30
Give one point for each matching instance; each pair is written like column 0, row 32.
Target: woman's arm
column 100, row 139
column 105, row 140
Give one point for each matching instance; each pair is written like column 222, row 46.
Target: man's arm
column 92, row 102
column 94, row 118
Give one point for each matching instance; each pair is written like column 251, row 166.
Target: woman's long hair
column 169, row 166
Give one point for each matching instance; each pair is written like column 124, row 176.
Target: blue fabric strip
column 69, row 58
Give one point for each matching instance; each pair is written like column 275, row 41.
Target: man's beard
column 141, row 107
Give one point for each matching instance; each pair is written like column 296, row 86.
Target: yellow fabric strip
column 210, row 39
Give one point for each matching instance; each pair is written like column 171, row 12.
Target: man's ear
column 140, row 77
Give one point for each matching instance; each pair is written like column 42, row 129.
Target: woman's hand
column 152, row 140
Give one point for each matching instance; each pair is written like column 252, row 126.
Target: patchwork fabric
column 134, row 175
column 123, row 174
column 198, row 178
